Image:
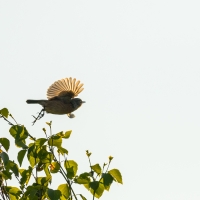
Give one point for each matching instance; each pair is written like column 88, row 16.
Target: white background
column 139, row 62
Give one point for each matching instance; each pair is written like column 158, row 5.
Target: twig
column 1, row 116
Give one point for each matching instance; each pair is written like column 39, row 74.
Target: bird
column 61, row 98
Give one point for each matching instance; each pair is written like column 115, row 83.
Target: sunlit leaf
column 20, row 134
column 14, row 191
column 96, row 168
column 83, row 178
column 4, row 112
column 55, row 141
column 46, row 170
column 39, row 142
column 96, row 188
column 67, row 134
column 65, row 191
column 71, row 166
column 115, row 173
column 62, row 150
column 32, row 160
column 25, row 175
column 5, row 143
column 43, row 180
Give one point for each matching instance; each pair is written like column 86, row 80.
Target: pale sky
column 139, row 62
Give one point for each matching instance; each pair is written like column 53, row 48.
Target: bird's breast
column 58, row 107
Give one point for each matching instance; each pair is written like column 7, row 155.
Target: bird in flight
column 61, row 98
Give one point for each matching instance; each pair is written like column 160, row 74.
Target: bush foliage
column 49, row 156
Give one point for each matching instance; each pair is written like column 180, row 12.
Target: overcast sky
column 139, row 62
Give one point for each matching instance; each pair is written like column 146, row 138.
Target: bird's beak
column 83, row 101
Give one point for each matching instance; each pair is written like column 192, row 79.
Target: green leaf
column 5, row 143
column 5, row 158
column 107, row 180
column 99, row 191
column 46, row 158
column 32, row 155
column 64, row 135
column 65, row 191
column 55, row 140
column 44, row 155
column 39, row 142
column 96, row 168
column 71, row 166
column 43, row 180
column 4, row 112
column 14, row 191
column 25, row 175
column 54, row 167
column 6, row 174
column 115, row 173
column 12, row 197
column 32, row 150
column 94, row 185
column 67, row 134
column 46, row 170
column 20, row 156
column 31, row 193
column 54, row 194
column 32, row 160
column 83, row 178
column 20, row 134
column 14, row 167
column 62, row 150
column 82, row 197
column 96, row 188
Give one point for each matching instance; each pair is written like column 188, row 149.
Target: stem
column 93, row 196
column 64, row 174
column 13, row 119
column 1, row 116
column 108, row 166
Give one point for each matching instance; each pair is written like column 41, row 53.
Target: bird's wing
column 67, row 87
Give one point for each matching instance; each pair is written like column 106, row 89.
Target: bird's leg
column 40, row 115
column 70, row 115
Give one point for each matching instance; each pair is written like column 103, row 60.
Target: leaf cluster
column 47, row 155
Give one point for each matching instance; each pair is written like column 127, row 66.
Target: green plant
column 49, row 156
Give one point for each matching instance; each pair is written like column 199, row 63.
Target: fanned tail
column 65, row 87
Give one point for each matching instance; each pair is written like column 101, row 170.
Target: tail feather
column 41, row 102
column 32, row 101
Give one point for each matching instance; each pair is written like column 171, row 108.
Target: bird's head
column 76, row 103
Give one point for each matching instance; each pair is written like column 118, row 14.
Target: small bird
column 61, row 98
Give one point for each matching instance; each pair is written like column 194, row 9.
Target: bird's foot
column 70, row 115
column 40, row 115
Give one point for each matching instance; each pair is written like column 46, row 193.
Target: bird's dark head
column 76, row 103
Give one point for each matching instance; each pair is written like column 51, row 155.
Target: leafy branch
column 46, row 154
